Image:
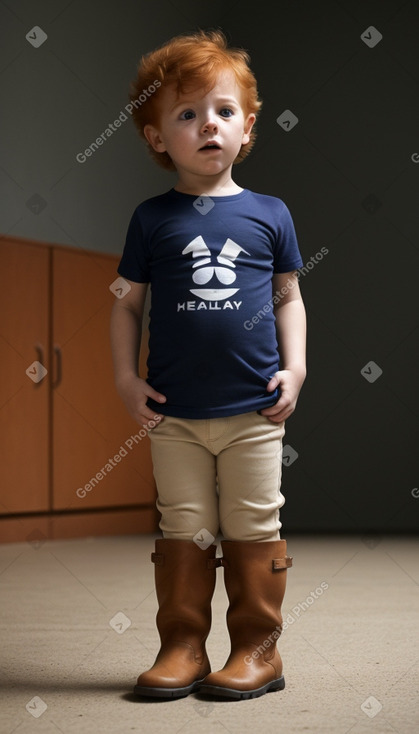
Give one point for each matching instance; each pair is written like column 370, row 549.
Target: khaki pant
column 219, row 474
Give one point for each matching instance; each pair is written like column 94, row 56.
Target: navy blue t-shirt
column 210, row 262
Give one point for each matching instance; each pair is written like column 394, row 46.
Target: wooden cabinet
column 74, row 462
column 24, row 405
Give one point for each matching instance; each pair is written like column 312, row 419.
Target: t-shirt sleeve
column 287, row 255
column 134, row 264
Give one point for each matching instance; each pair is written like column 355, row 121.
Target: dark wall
column 348, row 170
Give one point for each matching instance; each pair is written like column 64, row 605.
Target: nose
column 210, row 124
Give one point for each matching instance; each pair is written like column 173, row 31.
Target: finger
column 151, row 424
column 157, row 396
column 280, row 417
column 148, row 416
column 282, row 404
column 273, row 383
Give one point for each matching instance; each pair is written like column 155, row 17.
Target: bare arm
column 126, row 327
column 291, row 334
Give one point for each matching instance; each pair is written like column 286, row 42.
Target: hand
column 135, row 392
column 290, row 384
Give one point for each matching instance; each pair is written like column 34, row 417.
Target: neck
column 221, row 185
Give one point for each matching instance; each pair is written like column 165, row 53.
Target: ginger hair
column 190, row 62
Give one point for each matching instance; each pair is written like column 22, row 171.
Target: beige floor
column 350, row 653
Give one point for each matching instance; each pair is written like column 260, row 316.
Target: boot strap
column 158, row 559
column 279, row 563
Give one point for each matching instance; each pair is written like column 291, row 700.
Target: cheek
column 186, row 141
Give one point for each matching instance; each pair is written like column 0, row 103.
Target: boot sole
column 275, row 685
column 167, row 692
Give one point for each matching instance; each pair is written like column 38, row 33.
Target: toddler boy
column 226, row 364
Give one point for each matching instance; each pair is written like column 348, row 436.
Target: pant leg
column 249, row 471
column 185, row 475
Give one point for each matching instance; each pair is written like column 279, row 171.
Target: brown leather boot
column 255, row 578
column 185, row 582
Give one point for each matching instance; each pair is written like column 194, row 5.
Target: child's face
column 189, row 122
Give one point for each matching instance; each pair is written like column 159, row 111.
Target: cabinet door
column 24, row 398
column 95, row 452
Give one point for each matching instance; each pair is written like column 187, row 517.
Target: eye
column 187, row 115
column 226, row 110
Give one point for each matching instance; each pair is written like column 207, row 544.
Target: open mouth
column 210, row 146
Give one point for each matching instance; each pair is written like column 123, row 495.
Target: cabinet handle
column 58, row 363
column 40, row 353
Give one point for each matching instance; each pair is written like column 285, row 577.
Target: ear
column 248, row 124
column 153, row 137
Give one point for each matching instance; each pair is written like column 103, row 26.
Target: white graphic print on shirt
column 205, row 271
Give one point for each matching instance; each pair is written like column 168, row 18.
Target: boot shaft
column 255, row 576
column 185, row 582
